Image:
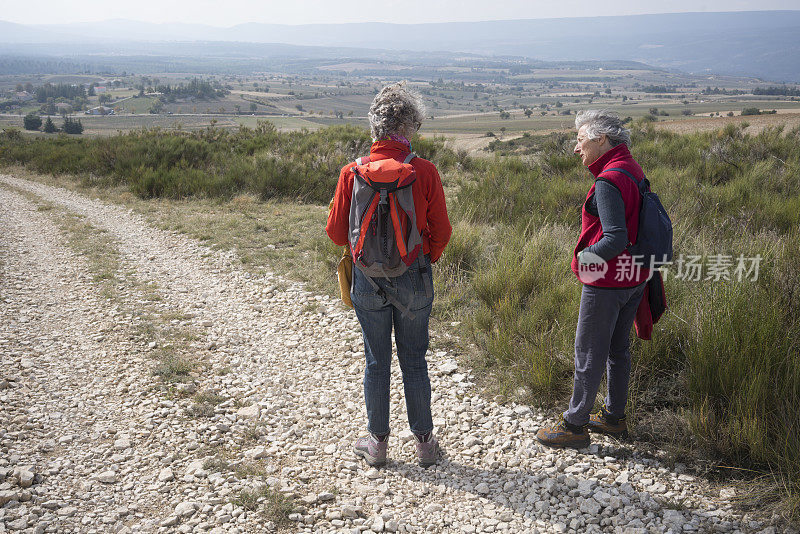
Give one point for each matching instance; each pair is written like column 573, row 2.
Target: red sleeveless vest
column 620, row 270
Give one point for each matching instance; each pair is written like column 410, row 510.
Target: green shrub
column 49, row 126
column 209, row 163
column 527, row 299
column 72, row 126
column 32, row 121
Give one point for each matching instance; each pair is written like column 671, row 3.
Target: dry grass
column 790, row 119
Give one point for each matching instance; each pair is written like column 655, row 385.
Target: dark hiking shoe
column 604, row 423
column 427, row 450
column 564, row 434
column 372, row 449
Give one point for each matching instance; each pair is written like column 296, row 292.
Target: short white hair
column 603, row 122
column 395, row 110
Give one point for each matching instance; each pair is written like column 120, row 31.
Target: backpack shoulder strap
column 623, row 171
column 642, row 186
column 363, row 160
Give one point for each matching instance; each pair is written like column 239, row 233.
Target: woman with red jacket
column 613, row 282
column 403, row 302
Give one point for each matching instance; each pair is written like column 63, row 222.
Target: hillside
column 760, row 43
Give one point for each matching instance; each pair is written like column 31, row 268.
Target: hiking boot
column 372, row 449
column 564, row 434
column 427, row 449
column 603, row 422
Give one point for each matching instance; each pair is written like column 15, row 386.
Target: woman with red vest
column 613, row 282
column 404, row 301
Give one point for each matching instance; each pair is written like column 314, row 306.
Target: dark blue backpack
column 654, row 240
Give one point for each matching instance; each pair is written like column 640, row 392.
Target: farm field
column 506, row 99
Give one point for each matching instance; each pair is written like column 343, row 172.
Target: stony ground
column 248, row 426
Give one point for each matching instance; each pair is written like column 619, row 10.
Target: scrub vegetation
column 721, row 377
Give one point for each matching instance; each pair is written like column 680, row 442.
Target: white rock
column 256, row 453
column 107, row 477
column 250, row 412
column 186, row 509
column 590, row 506
column 471, row 441
column 349, row 511
column 194, row 466
column 482, row 488
column 171, row 521
column 166, row 475
column 448, row 367
column 122, row 444
column 674, row 518
column 586, row 486
column 506, row 516
column 25, row 478
column 405, row 435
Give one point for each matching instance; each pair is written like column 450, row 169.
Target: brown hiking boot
column 604, row 423
column 562, row 435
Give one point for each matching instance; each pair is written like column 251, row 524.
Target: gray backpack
column 384, row 238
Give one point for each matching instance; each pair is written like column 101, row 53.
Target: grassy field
column 722, row 372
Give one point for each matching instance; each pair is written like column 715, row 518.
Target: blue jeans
column 602, row 345
column 377, row 315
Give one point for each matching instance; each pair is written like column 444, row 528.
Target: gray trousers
column 602, row 344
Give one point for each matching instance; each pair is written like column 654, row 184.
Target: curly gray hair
column 395, row 110
column 603, row 122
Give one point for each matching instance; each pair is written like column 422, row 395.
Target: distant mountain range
column 764, row 44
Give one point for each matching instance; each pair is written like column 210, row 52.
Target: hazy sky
column 231, row 12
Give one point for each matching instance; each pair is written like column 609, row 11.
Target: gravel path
column 91, row 442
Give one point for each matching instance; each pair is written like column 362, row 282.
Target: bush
column 72, row 126
column 751, row 111
column 32, row 121
column 12, row 134
column 209, row 163
column 49, row 126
